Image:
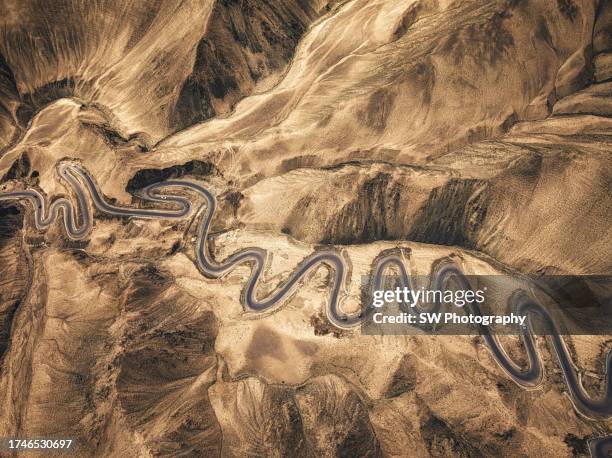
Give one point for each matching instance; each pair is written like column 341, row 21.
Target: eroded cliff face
column 473, row 129
column 158, row 66
column 421, row 78
column 245, row 50
column 501, row 198
column 14, row 271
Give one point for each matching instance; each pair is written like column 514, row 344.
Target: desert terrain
column 470, row 130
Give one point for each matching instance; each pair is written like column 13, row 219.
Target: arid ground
column 476, row 130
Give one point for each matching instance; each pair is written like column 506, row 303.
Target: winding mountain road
column 79, row 224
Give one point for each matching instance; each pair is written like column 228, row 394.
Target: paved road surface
column 79, row 224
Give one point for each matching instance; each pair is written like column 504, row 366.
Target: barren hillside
column 472, row 130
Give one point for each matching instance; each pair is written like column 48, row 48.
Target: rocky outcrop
column 147, row 177
column 595, row 99
column 475, row 130
column 9, row 104
column 175, row 63
column 14, row 271
column 247, row 44
column 337, row 419
column 164, row 368
column 19, row 170
column 490, row 197
column 325, row 417
column 453, row 214
column 407, row 97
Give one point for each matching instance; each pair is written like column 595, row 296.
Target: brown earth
column 479, row 129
